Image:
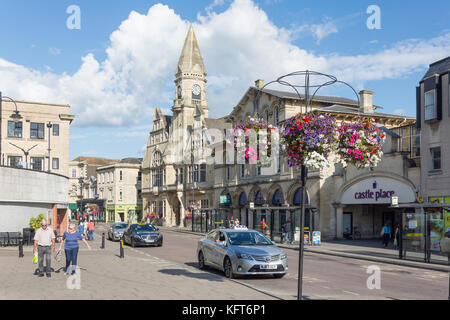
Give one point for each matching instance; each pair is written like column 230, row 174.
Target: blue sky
column 132, row 71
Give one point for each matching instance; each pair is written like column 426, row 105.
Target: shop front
column 364, row 205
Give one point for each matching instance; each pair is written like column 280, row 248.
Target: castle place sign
column 378, row 190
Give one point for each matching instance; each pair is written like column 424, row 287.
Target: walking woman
column 70, row 240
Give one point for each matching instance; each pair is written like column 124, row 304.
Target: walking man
column 91, row 230
column 44, row 243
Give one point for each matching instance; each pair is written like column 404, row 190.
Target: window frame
column 55, row 132
column 434, row 158
column 37, row 130
column 53, row 164
column 434, row 105
column 15, row 129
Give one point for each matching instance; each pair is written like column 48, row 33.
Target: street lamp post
column 25, row 152
column 81, row 180
column 49, row 126
column 306, row 85
column 16, row 116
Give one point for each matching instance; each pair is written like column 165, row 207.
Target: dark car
column 115, row 232
column 142, row 234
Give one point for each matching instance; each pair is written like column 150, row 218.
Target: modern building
column 119, row 185
column 35, row 135
column 26, row 193
column 433, row 121
column 211, row 194
column 83, row 184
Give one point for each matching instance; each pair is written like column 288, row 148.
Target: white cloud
column 239, row 45
column 54, row 51
column 399, row 112
column 321, row 31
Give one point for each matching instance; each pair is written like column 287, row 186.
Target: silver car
column 240, row 251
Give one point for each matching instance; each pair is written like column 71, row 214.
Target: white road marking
column 353, row 293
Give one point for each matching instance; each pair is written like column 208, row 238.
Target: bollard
column 20, row 248
column 103, row 240
column 121, row 248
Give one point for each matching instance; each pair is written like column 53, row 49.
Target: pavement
column 369, row 250
column 104, row 275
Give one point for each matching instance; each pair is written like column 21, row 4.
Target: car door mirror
column 157, row 229
column 221, row 243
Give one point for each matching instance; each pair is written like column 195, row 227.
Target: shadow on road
column 186, row 273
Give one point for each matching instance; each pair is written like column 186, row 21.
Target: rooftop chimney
column 366, row 101
column 259, row 83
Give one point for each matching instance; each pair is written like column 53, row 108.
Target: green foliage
column 35, row 223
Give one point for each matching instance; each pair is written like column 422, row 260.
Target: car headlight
column 283, row 256
column 244, row 256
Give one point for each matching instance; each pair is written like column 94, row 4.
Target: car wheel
column 228, row 268
column 201, row 261
column 278, row 275
column 160, row 244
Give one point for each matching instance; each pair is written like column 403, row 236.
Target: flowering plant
column 360, row 143
column 310, row 138
column 254, row 135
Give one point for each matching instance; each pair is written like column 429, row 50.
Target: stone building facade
column 35, row 135
column 119, row 184
column 221, row 192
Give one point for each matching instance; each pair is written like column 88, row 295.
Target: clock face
column 196, row 89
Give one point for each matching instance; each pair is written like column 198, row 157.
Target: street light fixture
column 25, row 152
column 49, row 126
column 16, row 115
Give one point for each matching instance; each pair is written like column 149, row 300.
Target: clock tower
column 190, row 80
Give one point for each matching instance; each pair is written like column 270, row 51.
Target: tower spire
column 191, row 59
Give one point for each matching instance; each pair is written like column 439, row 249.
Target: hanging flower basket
column 360, row 143
column 254, row 136
column 310, row 138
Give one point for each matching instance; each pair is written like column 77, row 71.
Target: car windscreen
column 143, row 228
column 248, row 239
column 120, row 225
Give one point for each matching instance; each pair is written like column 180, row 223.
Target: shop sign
column 225, row 199
column 378, row 190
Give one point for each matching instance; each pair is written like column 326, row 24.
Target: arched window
column 278, row 198
column 297, row 200
column 259, row 198
column 277, row 115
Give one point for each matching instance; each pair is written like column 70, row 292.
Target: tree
column 35, row 223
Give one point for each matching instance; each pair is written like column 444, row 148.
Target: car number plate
column 269, row 266
column 150, row 240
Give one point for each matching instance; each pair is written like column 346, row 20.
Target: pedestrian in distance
column 397, row 236
column 91, row 228
column 236, row 222
column 288, row 230
column 85, row 228
column 81, row 228
column 386, row 234
column 44, row 244
column 70, row 240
